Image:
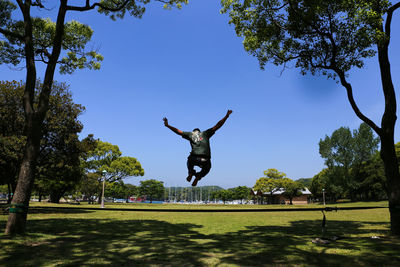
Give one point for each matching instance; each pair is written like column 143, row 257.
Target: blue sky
column 190, row 66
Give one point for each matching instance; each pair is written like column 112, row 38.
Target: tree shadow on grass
column 75, row 242
column 107, row 242
column 291, row 245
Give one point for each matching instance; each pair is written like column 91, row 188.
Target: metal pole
column 323, row 195
column 102, row 194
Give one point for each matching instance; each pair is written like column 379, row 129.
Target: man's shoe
column 196, row 181
column 189, row 178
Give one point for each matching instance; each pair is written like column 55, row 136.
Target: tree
column 372, row 180
column 371, row 177
column 365, row 144
column 330, row 38
column 107, row 157
column 291, row 189
column 344, row 154
column 151, row 189
column 12, row 136
column 131, row 190
column 241, row 192
column 35, row 39
column 271, row 183
column 274, row 174
column 90, row 186
column 338, row 152
column 58, row 168
column 327, row 180
column 223, row 195
column 121, row 190
column 306, row 182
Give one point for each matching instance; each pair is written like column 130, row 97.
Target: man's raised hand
column 229, row 112
column 165, row 121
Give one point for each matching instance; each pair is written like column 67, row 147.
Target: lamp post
column 104, row 183
column 323, row 195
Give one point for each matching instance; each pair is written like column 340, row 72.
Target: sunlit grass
column 86, row 237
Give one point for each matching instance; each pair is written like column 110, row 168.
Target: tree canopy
column 345, row 153
column 328, row 37
column 291, row 189
column 58, row 168
column 271, row 182
column 151, row 189
column 107, row 157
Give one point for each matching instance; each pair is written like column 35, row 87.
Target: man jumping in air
column 200, row 143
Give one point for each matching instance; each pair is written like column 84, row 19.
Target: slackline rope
column 212, row 210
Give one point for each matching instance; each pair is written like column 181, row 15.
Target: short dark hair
column 196, row 129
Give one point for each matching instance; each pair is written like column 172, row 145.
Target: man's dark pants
column 203, row 162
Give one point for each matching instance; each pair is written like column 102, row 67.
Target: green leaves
column 107, row 157
column 345, row 154
column 6, row 8
column 76, row 37
column 267, row 185
column 126, row 166
column 276, row 181
column 317, row 36
column 151, row 189
column 58, row 166
column 136, row 8
column 271, row 182
column 274, row 174
column 223, row 195
column 344, row 149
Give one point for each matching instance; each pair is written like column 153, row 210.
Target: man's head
column 196, row 130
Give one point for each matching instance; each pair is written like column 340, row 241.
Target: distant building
column 278, row 198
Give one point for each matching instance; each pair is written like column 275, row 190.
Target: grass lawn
column 137, row 238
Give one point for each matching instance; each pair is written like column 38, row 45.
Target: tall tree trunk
column 16, row 223
column 388, row 151
column 385, row 132
column 19, row 205
column 393, row 179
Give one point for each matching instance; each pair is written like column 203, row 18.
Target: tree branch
column 38, row 3
column 12, row 34
column 90, row 7
column 353, row 104
column 41, row 52
column 20, row 4
column 49, row 74
column 389, row 18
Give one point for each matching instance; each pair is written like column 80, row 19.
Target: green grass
column 82, row 237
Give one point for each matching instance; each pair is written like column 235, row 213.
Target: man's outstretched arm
column 221, row 122
column 175, row 130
